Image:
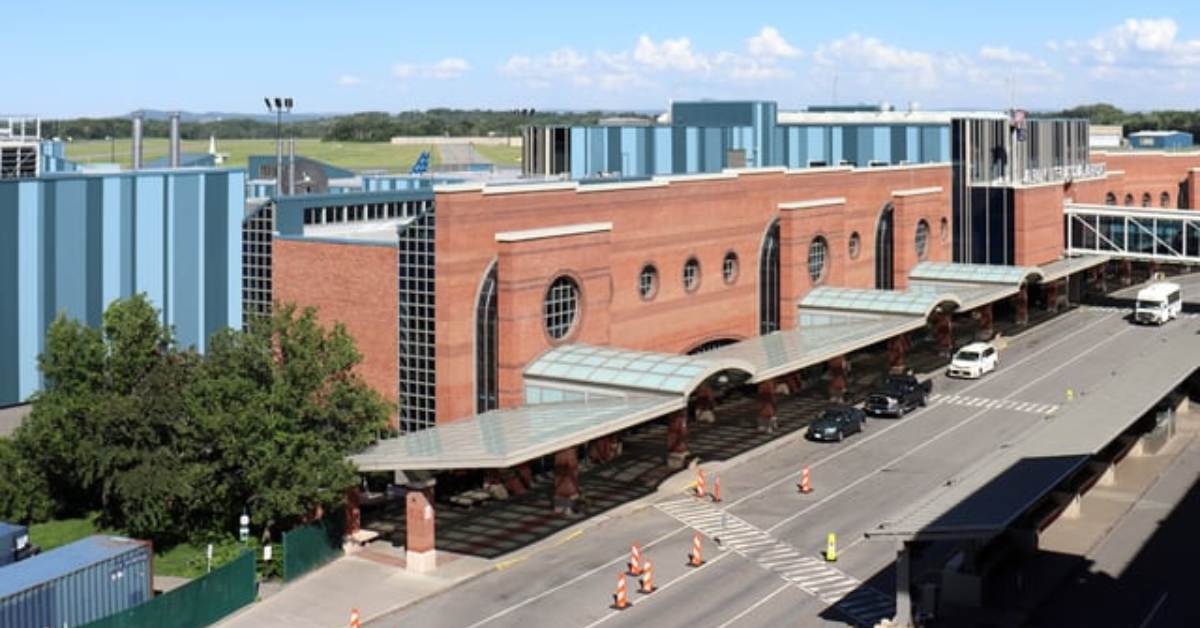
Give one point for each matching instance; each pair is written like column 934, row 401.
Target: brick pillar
column 897, row 351
column 766, row 405
column 677, row 439
column 421, row 556
column 837, row 378
column 1125, row 272
column 1021, row 305
column 353, row 510
column 566, row 481
column 943, row 332
column 986, row 320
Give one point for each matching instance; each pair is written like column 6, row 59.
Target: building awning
column 1070, row 265
column 503, row 438
column 577, row 392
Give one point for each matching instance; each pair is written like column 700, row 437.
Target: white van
column 1158, row 303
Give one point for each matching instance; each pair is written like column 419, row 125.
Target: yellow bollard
column 1070, row 395
column 831, row 548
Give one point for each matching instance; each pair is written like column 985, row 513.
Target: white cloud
column 1133, row 45
column 869, row 59
column 769, row 43
column 448, row 68
column 349, row 79
column 671, row 54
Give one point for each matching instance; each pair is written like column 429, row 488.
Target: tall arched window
column 884, row 249
column 768, row 281
column 487, row 369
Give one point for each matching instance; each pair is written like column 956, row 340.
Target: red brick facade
column 351, row 284
column 603, row 235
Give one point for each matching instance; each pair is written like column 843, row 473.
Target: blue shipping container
column 77, row 583
column 12, row 538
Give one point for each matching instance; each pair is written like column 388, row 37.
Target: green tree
column 280, row 408
column 24, row 492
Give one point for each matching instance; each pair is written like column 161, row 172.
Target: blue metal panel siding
column 109, row 248
column 818, row 141
column 67, row 258
column 10, row 285
column 185, row 258
column 662, row 155
column 149, row 273
column 30, row 275
column 881, row 146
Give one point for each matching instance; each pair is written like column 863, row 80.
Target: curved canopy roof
column 600, row 390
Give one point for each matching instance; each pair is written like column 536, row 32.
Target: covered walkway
column 582, row 395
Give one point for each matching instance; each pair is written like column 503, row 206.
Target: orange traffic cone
column 716, row 494
column 694, row 559
column 635, row 560
column 620, row 602
column 805, row 481
column 701, row 490
column 647, row 579
column 354, row 618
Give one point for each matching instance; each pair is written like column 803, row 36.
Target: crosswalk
column 866, row 605
column 995, row 404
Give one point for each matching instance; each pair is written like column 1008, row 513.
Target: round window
column 648, row 282
column 818, row 251
column 560, row 308
column 691, row 274
column 922, row 239
column 729, row 268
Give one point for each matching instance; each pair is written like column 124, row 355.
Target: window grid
column 648, row 282
column 258, row 234
column 817, row 252
column 560, row 307
column 691, row 274
column 922, row 239
column 729, row 268
column 417, row 323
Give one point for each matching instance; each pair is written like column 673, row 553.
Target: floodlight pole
column 278, row 106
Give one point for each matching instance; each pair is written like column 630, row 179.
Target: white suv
column 973, row 360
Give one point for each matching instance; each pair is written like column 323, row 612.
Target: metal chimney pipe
column 291, row 166
column 174, row 139
column 138, row 120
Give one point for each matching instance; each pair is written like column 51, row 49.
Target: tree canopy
column 170, row 445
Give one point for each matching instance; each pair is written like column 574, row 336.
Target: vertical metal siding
column 77, row 583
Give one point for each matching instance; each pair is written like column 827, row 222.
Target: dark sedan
column 837, row 422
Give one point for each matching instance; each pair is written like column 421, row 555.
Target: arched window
column 884, row 249
column 1145, row 199
column 1164, row 199
column 768, row 281
column 1110, row 199
column 487, row 364
column 854, row 246
column 1129, row 200
column 560, row 308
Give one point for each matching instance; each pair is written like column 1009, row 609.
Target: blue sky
column 85, row 58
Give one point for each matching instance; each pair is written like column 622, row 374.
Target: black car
column 897, row 394
column 836, row 422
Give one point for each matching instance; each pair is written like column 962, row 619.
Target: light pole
column 278, row 106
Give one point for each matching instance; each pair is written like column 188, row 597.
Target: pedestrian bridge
column 1160, row 235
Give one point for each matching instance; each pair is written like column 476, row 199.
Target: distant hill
column 215, row 116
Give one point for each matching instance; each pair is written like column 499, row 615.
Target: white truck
column 1157, row 303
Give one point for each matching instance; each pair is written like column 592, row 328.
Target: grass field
column 183, row 561
column 355, row 156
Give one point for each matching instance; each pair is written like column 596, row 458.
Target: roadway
column 768, row 570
